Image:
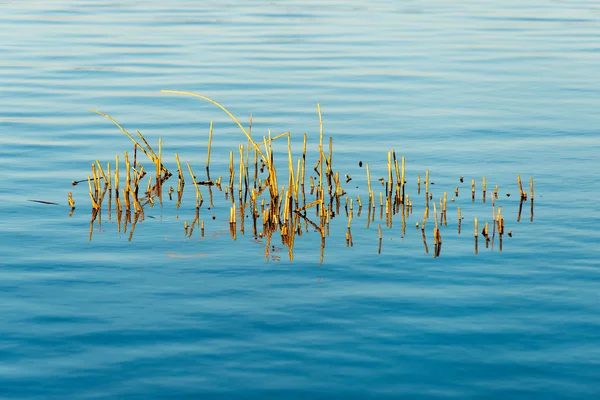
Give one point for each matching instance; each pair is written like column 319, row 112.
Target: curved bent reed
column 151, row 155
column 222, row 108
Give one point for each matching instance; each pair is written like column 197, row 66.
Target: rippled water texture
column 468, row 88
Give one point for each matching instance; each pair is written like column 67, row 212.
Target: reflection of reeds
column 476, row 233
column 484, row 187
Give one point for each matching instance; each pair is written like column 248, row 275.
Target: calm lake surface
column 468, row 88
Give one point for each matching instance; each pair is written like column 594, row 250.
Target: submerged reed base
column 275, row 199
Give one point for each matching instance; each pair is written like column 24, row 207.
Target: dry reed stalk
column 371, row 200
column 476, row 237
column 285, row 204
column 521, row 191
column 329, row 165
column 497, row 219
column 494, row 210
column 150, row 199
column 389, row 188
column 96, row 188
column 231, row 174
column 117, row 199
column 71, row 201
column 297, row 182
column 109, row 183
column 159, row 171
column 403, row 177
column 500, row 222
column 472, row 189
column 484, row 187
column 232, row 214
column 181, row 178
column 531, row 189
column 388, row 212
column 99, row 196
column 418, row 183
column 127, row 172
column 248, row 145
column 137, row 207
column 255, row 168
column 321, row 192
column 459, row 220
column 320, row 146
column 199, row 198
column 241, row 176
column 350, row 215
column 445, row 202
column 106, row 180
column 271, row 180
column 338, row 186
column 303, row 159
column 270, row 140
column 126, row 200
column 291, row 179
column 134, row 156
column 397, row 170
column 152, row 155
column 117, row 175
column 95, row 205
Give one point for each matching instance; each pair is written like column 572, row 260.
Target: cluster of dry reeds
column 276, row 201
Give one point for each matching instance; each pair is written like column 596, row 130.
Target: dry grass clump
column 273, row 195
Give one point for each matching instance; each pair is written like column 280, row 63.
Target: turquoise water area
column 469, row 88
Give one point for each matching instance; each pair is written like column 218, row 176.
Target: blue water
column 473, row 89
